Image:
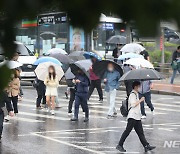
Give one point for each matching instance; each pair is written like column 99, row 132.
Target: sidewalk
column 164, row 87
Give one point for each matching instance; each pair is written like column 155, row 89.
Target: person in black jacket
column 41, row 89
column 4, row 102
column 116, row 52
column 81, row 96
column 175, row 59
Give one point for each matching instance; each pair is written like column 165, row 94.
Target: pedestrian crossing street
column 88, row 137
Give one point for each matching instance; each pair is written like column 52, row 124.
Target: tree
column 85, row 14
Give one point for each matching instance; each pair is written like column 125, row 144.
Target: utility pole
column 162, row 45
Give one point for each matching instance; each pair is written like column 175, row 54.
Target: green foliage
column 155, row 56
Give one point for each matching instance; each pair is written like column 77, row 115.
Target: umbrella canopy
column 47, row 35
column 61, row 57
column 69, row 75
column 77, row 55
column 42, row 70
column 83, row 65
column 117, row 39
column 11, row 64
column 142, row 74
column 139, row 63
column 100, row 67
column 132, row 47
column 129, row 55
column 56, row 50
column 88, row 55
column 47, row 59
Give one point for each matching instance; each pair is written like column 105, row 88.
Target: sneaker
column 110, row 117
column 66, row 94
column 48, row 110
column 69, row 114
column 120, row 148
column 153, row 113
column 149, row 148
column 52, row 112
column 74, row 119
column 100, row 101
column 58, row 106
column 115, row 114
column 86, row 119
column 143, row 117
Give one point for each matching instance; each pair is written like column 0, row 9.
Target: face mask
column 110, row 69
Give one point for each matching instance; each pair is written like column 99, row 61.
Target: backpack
column 124, row 107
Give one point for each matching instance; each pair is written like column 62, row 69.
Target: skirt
column 51, row 91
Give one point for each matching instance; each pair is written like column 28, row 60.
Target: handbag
column 174, row 65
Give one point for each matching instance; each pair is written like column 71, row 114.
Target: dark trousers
column 81, row 99
column 20, row 92
column 137, row 125
column 71, row 100
column 7, row 101
column 96, row 84
column 14, row 100
column 39, row 99
column 1, row 122
column 148, row 102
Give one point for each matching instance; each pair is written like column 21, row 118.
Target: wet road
column 37, row 132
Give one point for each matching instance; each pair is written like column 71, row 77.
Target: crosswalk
column 89, row 138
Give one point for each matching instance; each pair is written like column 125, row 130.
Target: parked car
column 27, row 58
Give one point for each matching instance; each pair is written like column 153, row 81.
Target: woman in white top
column 134, row 119
column 51, row 82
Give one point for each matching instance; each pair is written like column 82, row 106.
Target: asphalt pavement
column 38, row 132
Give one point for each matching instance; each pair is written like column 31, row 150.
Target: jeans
column 1, row 122
column 137, row 125
column 174, row 75
column 39, row 99
column 14, row 100
column 96, row 84
column 111, row 97
column 148, row 102
column 81, row 98
column 72, row 98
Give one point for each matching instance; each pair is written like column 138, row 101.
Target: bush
column 155, row 56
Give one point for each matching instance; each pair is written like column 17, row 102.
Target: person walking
column 145, row 91
column 81, row 96
column 134, row 120
column 13, row 90
column 41, row 90
column 51, row 82
column 95, row 82
column 175, row 64
column 116, row 52
column 111, row 80
column 3, row 103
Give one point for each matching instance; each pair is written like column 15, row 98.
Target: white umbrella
column 57, row 50
column 139, row 63
column 132, row 47
column 42, row 70
column 11, row 64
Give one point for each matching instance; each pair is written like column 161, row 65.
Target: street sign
column 52, row 18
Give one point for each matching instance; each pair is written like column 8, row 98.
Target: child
column 81, row 95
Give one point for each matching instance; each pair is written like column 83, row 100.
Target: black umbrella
column 117, row 39
column 77, row 55
column 76, row 67
column 142, row 74
column 100, row 67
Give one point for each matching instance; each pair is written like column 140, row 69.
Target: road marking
column 68, row 144
column 75, row 137
column 86, row 142
column 26, row 119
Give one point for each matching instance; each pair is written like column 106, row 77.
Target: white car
column 27, row 58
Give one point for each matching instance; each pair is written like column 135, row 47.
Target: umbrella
column 64, row 59
column 100, row 67
column 83, row 65
column 142, row 74
column 117, row 39
column 69, row 75
column 129, row 55
column 56, row 50
column 47, row 59
column 11, row 64
column 132, row 47
column 77, row 55
column 88, row 55
column 42, row 70
column 47, row 35
column 139, row 62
